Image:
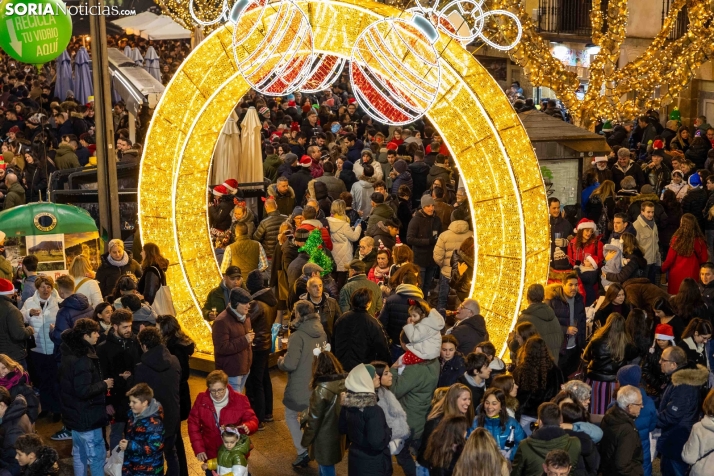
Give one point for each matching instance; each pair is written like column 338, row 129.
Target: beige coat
column 448, row 242
column 648, row 239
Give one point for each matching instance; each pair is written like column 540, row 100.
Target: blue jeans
column 427, row 275
column 88, row 448
column 443, row 294
column 326, row 470
column 238, row 383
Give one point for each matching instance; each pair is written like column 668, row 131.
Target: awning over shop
column 153, row 27
column 543, row 128
column 45, row 218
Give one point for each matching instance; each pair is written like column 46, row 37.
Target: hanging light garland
column 624, row 93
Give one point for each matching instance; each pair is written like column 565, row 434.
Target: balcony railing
column 570, row 17
column 681, row 24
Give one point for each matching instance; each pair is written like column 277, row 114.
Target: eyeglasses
column 637, row 405
column 665, row 360
column 216, row 391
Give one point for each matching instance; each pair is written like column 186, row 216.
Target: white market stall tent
column 153, row 27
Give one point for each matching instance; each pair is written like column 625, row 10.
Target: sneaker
column 63, row 434
column 261, row 426
column 302, row 460
column 268, row 418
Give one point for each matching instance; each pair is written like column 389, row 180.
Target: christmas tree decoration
column 315, row 248
column 324, row 71
column 675, row 115
column 282, row 28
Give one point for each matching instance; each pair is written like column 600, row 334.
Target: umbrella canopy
column 63, row 82
column 127, row 51
column 151, row 63
column 251, row 159
column 136, row 56
column 227, row 151
column 45, row 218
column 82, row 77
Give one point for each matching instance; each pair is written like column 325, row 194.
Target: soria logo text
column 31, row 9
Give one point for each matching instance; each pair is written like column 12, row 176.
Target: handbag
column 113, row 465
column 163, row 302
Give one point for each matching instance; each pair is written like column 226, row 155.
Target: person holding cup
column 232, row 339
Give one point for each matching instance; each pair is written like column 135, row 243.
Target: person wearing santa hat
column 585, row 253
column 13, row 339
column 300, row 179
column 600, row 166
column 652, row 376
column 220, row 209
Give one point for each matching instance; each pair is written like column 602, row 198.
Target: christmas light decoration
column 471, row 113
column 651, row 81
column 325, row 70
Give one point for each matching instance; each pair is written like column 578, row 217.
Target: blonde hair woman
column 16, row 380
column 81, row 271
column 343, row 236
column 115, row 263
column 481, row 457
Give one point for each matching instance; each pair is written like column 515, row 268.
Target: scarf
column 105, row 327
column 12, row 379
column 381, row 273
column 650, row 223
column 122, row 262
column 220, row 404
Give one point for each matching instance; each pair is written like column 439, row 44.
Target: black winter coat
column 620, row 446
column 395, row 312
column 654, row 380
column 183, row 353
column 604, row 312
column 82, row 387
column 363, row 421
column 420, row 173
column 162, row 372
column 299, row 181
column 267, row 231
column 635, row 268
column 108, row 274
column 461, row 283
column 359, row 338
column 150, row 283
column 562, row 312
column 589, row 460
column 451, row 370
column 530, row 400
column 422, row 234
column 23, row 387
column 469, row 333
column 601, row 366
column 694, row 202
column 220, row 216
column 35, row 182
column 15, row 423
column 259, row 323
column 116, row 356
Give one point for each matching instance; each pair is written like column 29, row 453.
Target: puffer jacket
column 363, row 421
column 231, row 461
column 220, row 216
column 359, row 338
column 116, row 356
column 422, row 234
column 414, row 389
column 501, row 433
column 405, row 178
column 320, row 422
column 82, row 385
column 13, row 333
column 694, row 202
column 19, row 384
column 451, row 370
column 258, row 313
column 108, row 274
column 15, row 423
column 425, row 337
column 601, row 366
column 449, row 242
column 699, row 444
column 342, row 236
column 620, row 447
column 41, row 323
column 72, row 309
column 162, row 372
column 285, row 202
column 395, row 312
column 144, row 455
column 267, row 231
column 679, row 409
column 396, row 418
column 297, row 361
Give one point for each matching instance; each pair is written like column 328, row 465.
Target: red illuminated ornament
column 325, row 70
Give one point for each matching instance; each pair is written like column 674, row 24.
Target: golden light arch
column 484, row 134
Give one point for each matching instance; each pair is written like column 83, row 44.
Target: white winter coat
column 425, row 336
column 358, row 169
column 448, row 242
column 396, row 419
column 89, row 288
column 342, row 236
column 41, row 323
column 700, row 442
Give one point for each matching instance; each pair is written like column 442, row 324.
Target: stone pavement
column 273, row 450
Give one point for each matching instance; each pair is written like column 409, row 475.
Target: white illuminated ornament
column 282, row 59
column 463, row 20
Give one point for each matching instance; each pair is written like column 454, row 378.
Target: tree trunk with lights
column 616, row 93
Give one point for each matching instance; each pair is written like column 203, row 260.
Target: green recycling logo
column 34, row 31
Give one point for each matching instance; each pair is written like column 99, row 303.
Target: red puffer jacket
column 202, row 429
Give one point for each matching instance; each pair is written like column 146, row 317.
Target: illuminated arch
column 473, row 115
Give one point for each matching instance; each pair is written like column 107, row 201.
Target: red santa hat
column 305, row 161
column 585, row 223
column 351, row 101
column 291, row 103
column 6, row 288
column 220, row 190
column 295, row 127
column 392, row 146
column 231, row 185
column 398, row 242
column 658, row 144
column 664, row 332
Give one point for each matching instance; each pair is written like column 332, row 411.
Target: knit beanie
column 629, row 375
column 255, row 282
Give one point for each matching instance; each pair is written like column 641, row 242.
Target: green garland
column 315, row 249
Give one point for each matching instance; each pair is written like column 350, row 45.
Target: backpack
column 163, row 302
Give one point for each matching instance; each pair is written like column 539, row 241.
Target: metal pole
column 107, row 189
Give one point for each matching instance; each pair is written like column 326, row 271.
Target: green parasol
column 45, row 218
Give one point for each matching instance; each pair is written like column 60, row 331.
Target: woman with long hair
column 396, row 417
column 343, row 237
column 609, row 349
column 688, row 303
column 698, row 448
column 493, row 416
column 600, row 208
column 457, row 401
column 82, row 273
column 673, row 208
column 320, row 423
column 17, row 381
column 103, row 316
column 154, row 267
column 538, row 379
column 586, row 255
column 462, row 264
column 639, row 328
column 615, row 301
column 518, row 337
column 481, row 457
column 694, row 340
column 445, row 445
column 681, row 140
column 180, row 345
column 508, row 385
column 665, row 313
column 687, row 252
column 34, row 178
column 401, row 255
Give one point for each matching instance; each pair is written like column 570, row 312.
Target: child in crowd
column 423, row 330
column 34, row 458
column 476, row 375
column 143, row 445
column 497, row 366
column 451, row 360
column 232, row 455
